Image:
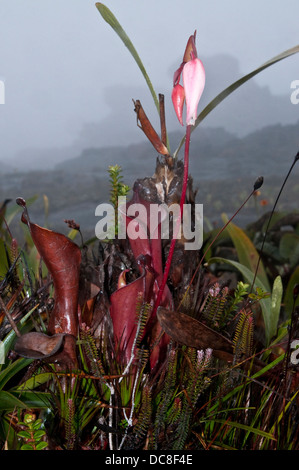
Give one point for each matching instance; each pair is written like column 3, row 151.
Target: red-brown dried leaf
column 149, row 131
column 123, row 311
column 62, row 258
column 148, row 247
column 191, row 332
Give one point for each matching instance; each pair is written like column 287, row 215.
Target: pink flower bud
column 190, row 51
column 194, row 83
column 178, row 98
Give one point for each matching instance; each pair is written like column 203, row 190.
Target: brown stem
column 212, row 242
column 162, row 120
column 144, row 123
column 270, row 218
column 10, row 319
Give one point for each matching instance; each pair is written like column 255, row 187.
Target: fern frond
column 70, row 432
column 196, row 381
column 91, row 351
column 166, row 394
column 175, row 411
column 14, row 251
column 144, row 417
column 142, row 356
column 143, row 311
column 215, row 304
column 183, row 427
column 118, row 188
column 243, row 337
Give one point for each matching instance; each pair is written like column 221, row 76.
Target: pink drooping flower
column 193, row 74
column 194, row 82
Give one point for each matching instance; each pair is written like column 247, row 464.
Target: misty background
column 69, row 84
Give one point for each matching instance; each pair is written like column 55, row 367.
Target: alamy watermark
column 295, row 94
column 2, row 92
column 137, row 221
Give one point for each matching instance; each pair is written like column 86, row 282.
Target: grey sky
column 59, row 59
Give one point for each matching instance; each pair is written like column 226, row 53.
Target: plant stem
column 10, row 319
column 178, row 222
column 212, row 242
column 270, row 218
column 164, row 136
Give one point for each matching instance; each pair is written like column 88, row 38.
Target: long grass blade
column 247, row 253
column 265, row 303
column 259, row 432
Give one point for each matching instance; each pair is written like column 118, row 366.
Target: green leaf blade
column 276, row 297
column 247, row 253
column 108, row 16
column 10, row 371
column 265, row 303
column 24, row 434
column 41, row 445
column 35, row 381
column 288, row 300
column 245, row 427
column 39, row 434
column 8, row 402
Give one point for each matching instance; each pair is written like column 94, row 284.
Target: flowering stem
column 212, row 243
column 270, row 218
column 178, row 222
column 10, row 319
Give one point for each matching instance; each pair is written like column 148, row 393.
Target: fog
column 69, row 81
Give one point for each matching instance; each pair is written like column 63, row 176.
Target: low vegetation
column 137, row 343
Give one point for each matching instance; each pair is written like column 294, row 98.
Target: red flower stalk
column 194, row 81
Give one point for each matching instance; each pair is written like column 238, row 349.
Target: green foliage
column 167, row 397
column 240, row 292
column 74, row 404
column 215, row 306
column 289, row 301
column 240, row 417
column 145, row 413
column 194, row 400
column 262, row 295
column 289, row 249
column 118, row 188
column 247, row 253
column 276, row 299
column 143, row 311
column 196, row 382
column 90, row 349
column 32, row 434
column 243, row 338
